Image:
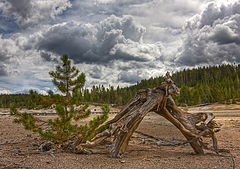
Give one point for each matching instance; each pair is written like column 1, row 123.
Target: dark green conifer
column 65, row 127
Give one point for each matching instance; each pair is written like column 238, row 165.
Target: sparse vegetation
column 65, row 127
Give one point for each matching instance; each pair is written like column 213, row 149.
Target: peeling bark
column 158, row 100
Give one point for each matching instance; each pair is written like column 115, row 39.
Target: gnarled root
column 192, row 126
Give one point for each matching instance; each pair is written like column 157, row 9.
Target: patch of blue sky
column 8, row 25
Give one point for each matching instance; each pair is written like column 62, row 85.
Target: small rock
column 122, row 161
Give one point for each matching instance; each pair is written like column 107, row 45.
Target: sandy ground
column 18, row 148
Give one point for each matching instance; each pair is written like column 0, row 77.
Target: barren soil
column 18, row 149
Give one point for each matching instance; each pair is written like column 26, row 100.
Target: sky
column 114, row 42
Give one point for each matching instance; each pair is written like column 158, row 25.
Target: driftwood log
column 193, row 126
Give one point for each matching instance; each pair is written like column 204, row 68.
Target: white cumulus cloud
column 213, row 36
column 32, row 12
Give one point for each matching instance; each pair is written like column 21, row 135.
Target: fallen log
column 158, row 100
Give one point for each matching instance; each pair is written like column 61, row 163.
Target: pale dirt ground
column 138, row 155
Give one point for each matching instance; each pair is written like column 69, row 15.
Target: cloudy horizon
column 113, row 42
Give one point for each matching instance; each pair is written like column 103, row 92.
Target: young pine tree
column 65, row 126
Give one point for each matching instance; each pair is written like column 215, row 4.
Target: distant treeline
column 199, row 85
column 31, row 100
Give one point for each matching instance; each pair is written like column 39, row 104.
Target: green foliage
column 199, row 85
column 92, row 128
column 33, row 100
column 67, row 79
column 208, row 84
column 66, row 126
column 82, row 113
column 28, row 120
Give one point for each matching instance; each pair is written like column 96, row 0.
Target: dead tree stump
column 129, row 122
column 192, row 126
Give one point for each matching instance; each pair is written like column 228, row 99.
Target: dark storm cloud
column 212, row 37
column 3, row 59
column 74, row 39
column 112, row 39
column 2, row 70
column 48, row 57
column 20, row 7
column 224, row 35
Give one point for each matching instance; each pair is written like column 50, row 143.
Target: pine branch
column 61, row 129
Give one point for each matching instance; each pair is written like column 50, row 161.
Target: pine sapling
column 67, row 125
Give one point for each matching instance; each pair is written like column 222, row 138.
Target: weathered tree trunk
column 190, row 136
column 192, row 126
column 130, row 121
